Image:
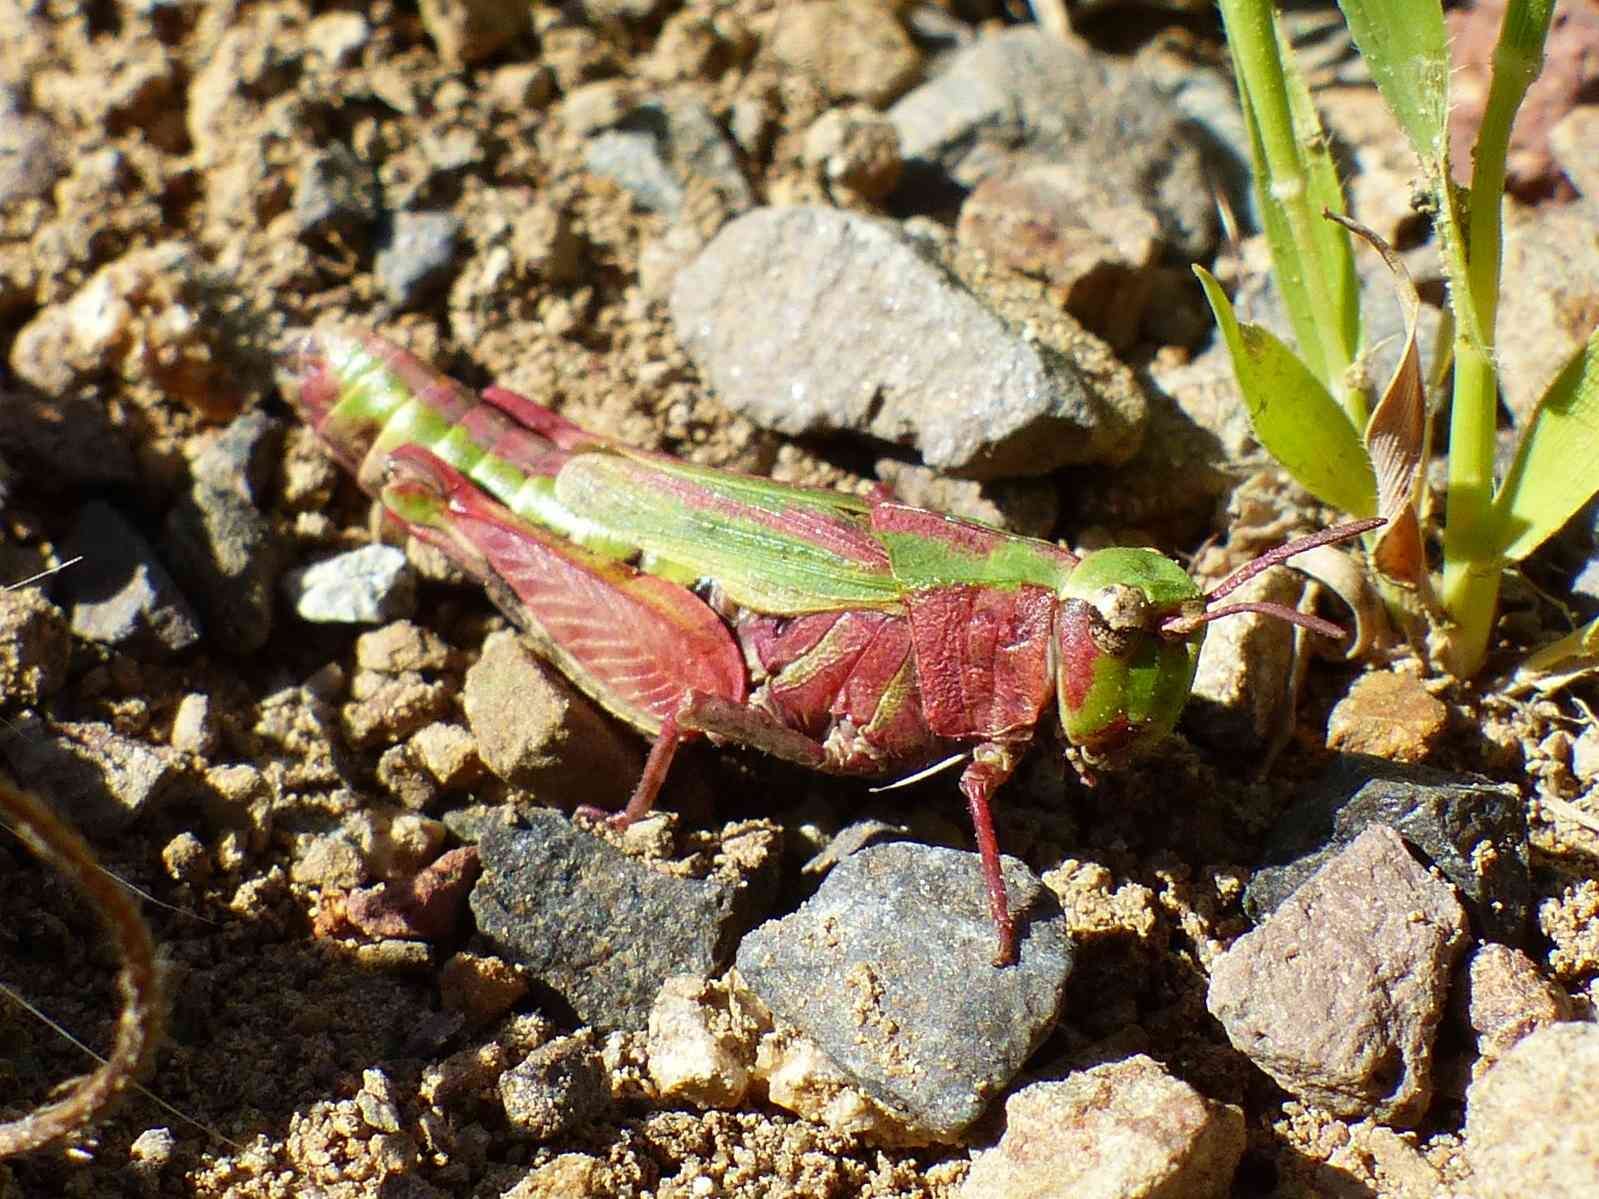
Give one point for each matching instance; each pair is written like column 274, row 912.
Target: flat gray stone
column 889, row 969
column 598, row 928
column 1473, row 830
column 816, row 321
column 371, row 585
column 119, row 593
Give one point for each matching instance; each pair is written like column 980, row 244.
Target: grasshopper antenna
column 1183, row 624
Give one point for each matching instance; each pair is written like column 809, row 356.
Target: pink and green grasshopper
column 856, row 636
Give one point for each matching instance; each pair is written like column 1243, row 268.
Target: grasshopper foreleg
column 991, row 764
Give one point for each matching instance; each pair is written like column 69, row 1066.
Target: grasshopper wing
column 638, row 644
column 772, row 548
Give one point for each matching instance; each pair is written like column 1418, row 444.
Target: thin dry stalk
column 143, row 1013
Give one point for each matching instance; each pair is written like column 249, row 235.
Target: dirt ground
column 188, row 125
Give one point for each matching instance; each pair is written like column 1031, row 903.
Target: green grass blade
column 1407, row 49
column 1326, row 194
column 1293, row 415
column 1553, row 474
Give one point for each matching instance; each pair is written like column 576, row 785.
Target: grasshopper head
column 1120, row 678
column 1127, row 638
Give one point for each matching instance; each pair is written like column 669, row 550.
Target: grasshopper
column 856, row 636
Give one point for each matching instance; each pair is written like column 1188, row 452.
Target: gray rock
column 243, row 458
column 1472, row 830
column 416, row 256
column 371, row 585
column 599, row 929
column 662, row 146
column 94, row 776
column 1125, row 1128
column 1550, row 264
column 35, row 647
column 1054, row 99
column 556, row 1089
column 888, row 968
column 226, row 553
column 1532, row 1127
column 120, row 593
column 810, row 320
column 1339, row 993
column 30, row 158
column 336, row 194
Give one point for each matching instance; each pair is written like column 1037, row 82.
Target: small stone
column 701, row 1043
column 807, row 352
column 566, row 1176
column 152, row 1148
column 481, row 987
column 856, row 149
column 449, row 753
column 402, row 647
column 339, row 37
column 395, row 709
column 194, row 729
column 468, row 31
column 1532, row 1127
column 1585, row 755
column 243, row 458
column 328, row 861
column 855, row 49
column 186, row 860
column 1338, row 994
column 1241, row 692
column 403, row 776
column 31, row 158
column 1387, row 714
column 1472, row 830
column 522, row 87
column 99, row 779
column 428, row 908
column 120, row 593
column 35, row 647
column 545, row 245
column 1125, row 1128
column 1550, row 264
column 1026, row 95
column 396, row 845
column 1055, row 222
column 1572, row 140
column 534, row 730
column 337, row 195
column 1507, row 998
column 376, row 1102
column 556, row 1089
column 370, row 585
column 416, row 256
column 662, row 148
column 600, row 929
column 226, row 554
column 889, row 969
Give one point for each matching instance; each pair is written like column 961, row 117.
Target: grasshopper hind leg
column 717, row 717
column 642, row 800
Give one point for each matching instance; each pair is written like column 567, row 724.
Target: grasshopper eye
column 1125, row 609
